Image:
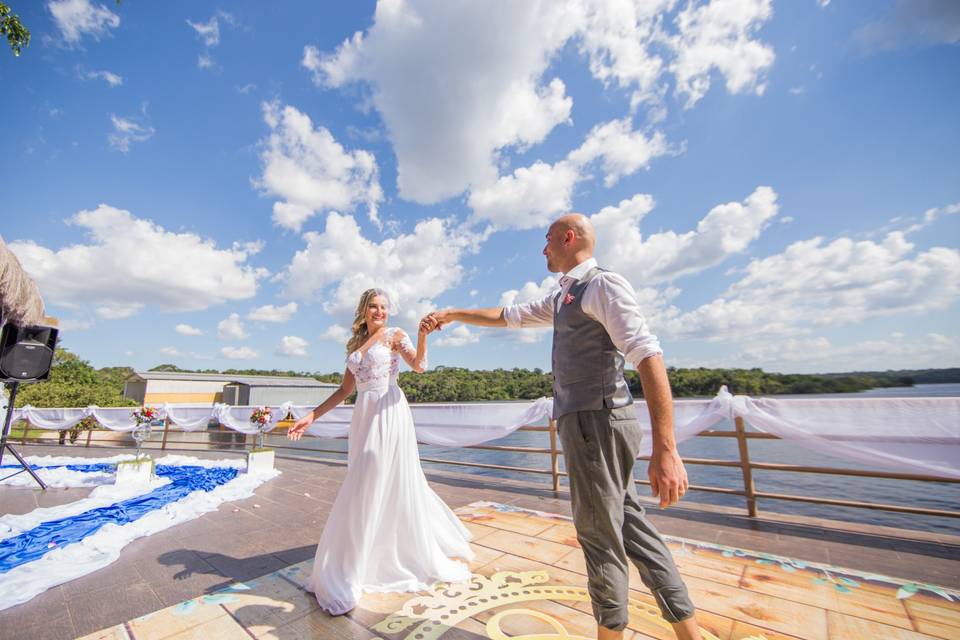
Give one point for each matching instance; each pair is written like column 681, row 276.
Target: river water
column 920, row 494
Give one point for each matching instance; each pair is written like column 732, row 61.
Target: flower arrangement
column 261, row 417
column 146, row 414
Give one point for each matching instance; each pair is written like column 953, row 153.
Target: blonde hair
column 358, row 330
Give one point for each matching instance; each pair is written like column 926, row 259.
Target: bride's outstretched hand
column 428, row 324
column 299, row 427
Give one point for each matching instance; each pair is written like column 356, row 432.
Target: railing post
column 554, row 458
column 166, row 431
column 748, row 487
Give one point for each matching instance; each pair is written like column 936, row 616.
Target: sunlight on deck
column 528, row 583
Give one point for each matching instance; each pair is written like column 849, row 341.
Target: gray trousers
column 599, row 449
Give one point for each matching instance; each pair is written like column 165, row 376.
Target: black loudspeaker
column 26, row 353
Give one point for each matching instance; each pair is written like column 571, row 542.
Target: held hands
column 668, row 477
column 432, row 322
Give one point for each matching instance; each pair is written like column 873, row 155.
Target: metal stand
column 6, row 446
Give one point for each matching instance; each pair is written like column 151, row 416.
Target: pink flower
column 568, row 299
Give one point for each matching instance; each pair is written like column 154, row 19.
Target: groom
column 597, row 324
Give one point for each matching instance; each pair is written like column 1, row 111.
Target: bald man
column 597, row 325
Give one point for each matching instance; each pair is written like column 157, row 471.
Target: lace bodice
column 380, row 365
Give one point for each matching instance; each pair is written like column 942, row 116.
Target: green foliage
column 17, row 35
column 754, row 382
column 453, row 384
column 74, row 383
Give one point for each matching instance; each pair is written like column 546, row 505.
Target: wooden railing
column 743, row 437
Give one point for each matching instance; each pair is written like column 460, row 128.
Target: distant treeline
column 456, row 384
column 75, row 383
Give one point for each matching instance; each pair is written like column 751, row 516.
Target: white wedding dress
column 388, row 530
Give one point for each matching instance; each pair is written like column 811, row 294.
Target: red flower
column 568, row 299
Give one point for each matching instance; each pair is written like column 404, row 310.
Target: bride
column 388, row 530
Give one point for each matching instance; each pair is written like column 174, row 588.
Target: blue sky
column 213, row 185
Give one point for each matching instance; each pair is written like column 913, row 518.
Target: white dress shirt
column 609, row 299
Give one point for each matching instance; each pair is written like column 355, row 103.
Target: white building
column 159, row 387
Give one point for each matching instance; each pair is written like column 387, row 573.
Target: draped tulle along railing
column 914, row 439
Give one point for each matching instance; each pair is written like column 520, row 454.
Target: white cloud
column 118, row 311
column 270, row 313
column 231, row 328
column 823, row 3
column 534, row 195
column 413, row 267
column 176, row 353
column 310, row 171
column 932, row 215
column 621, row 150
column 336, row 333
column 819, row 354
column 622, row 40
column 70, row 324
column 487, row 66
column 528, row 292
column 109, row 77
column 206, row 61
column 718, row 35
column 530, row 197
column 913, row 23
column 814, row 284
column 187, row 330
column 239, row 353
column 459, row 336
column 208, row 32
column 726, row 230
column 130, row 261
column 496, row 94
column 78, row 18
column 126, row 132
column 292, row 346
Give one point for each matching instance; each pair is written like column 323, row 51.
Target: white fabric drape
column 918, row 435
column 238, row 418
column 50, row 418
column 188, row 418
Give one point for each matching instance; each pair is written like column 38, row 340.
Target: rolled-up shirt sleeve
column 613, row 302
column 537, row 313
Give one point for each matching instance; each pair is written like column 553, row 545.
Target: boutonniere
column 568, row 299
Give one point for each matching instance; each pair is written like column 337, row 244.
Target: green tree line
column 75, row 383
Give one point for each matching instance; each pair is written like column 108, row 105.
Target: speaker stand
column 6, row 446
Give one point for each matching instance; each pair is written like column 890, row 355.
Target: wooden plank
column 844, row 627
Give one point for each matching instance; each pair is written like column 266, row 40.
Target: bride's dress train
column 388, row 530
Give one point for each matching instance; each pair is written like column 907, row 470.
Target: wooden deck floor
column 242, row 565
column 529, row 580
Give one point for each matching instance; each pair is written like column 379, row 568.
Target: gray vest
column 587, row 367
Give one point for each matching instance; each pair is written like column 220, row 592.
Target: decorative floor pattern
column 528, row 584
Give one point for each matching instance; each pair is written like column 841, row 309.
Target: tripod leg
column 6, row 434
column 9, row 417
column 26, row 466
